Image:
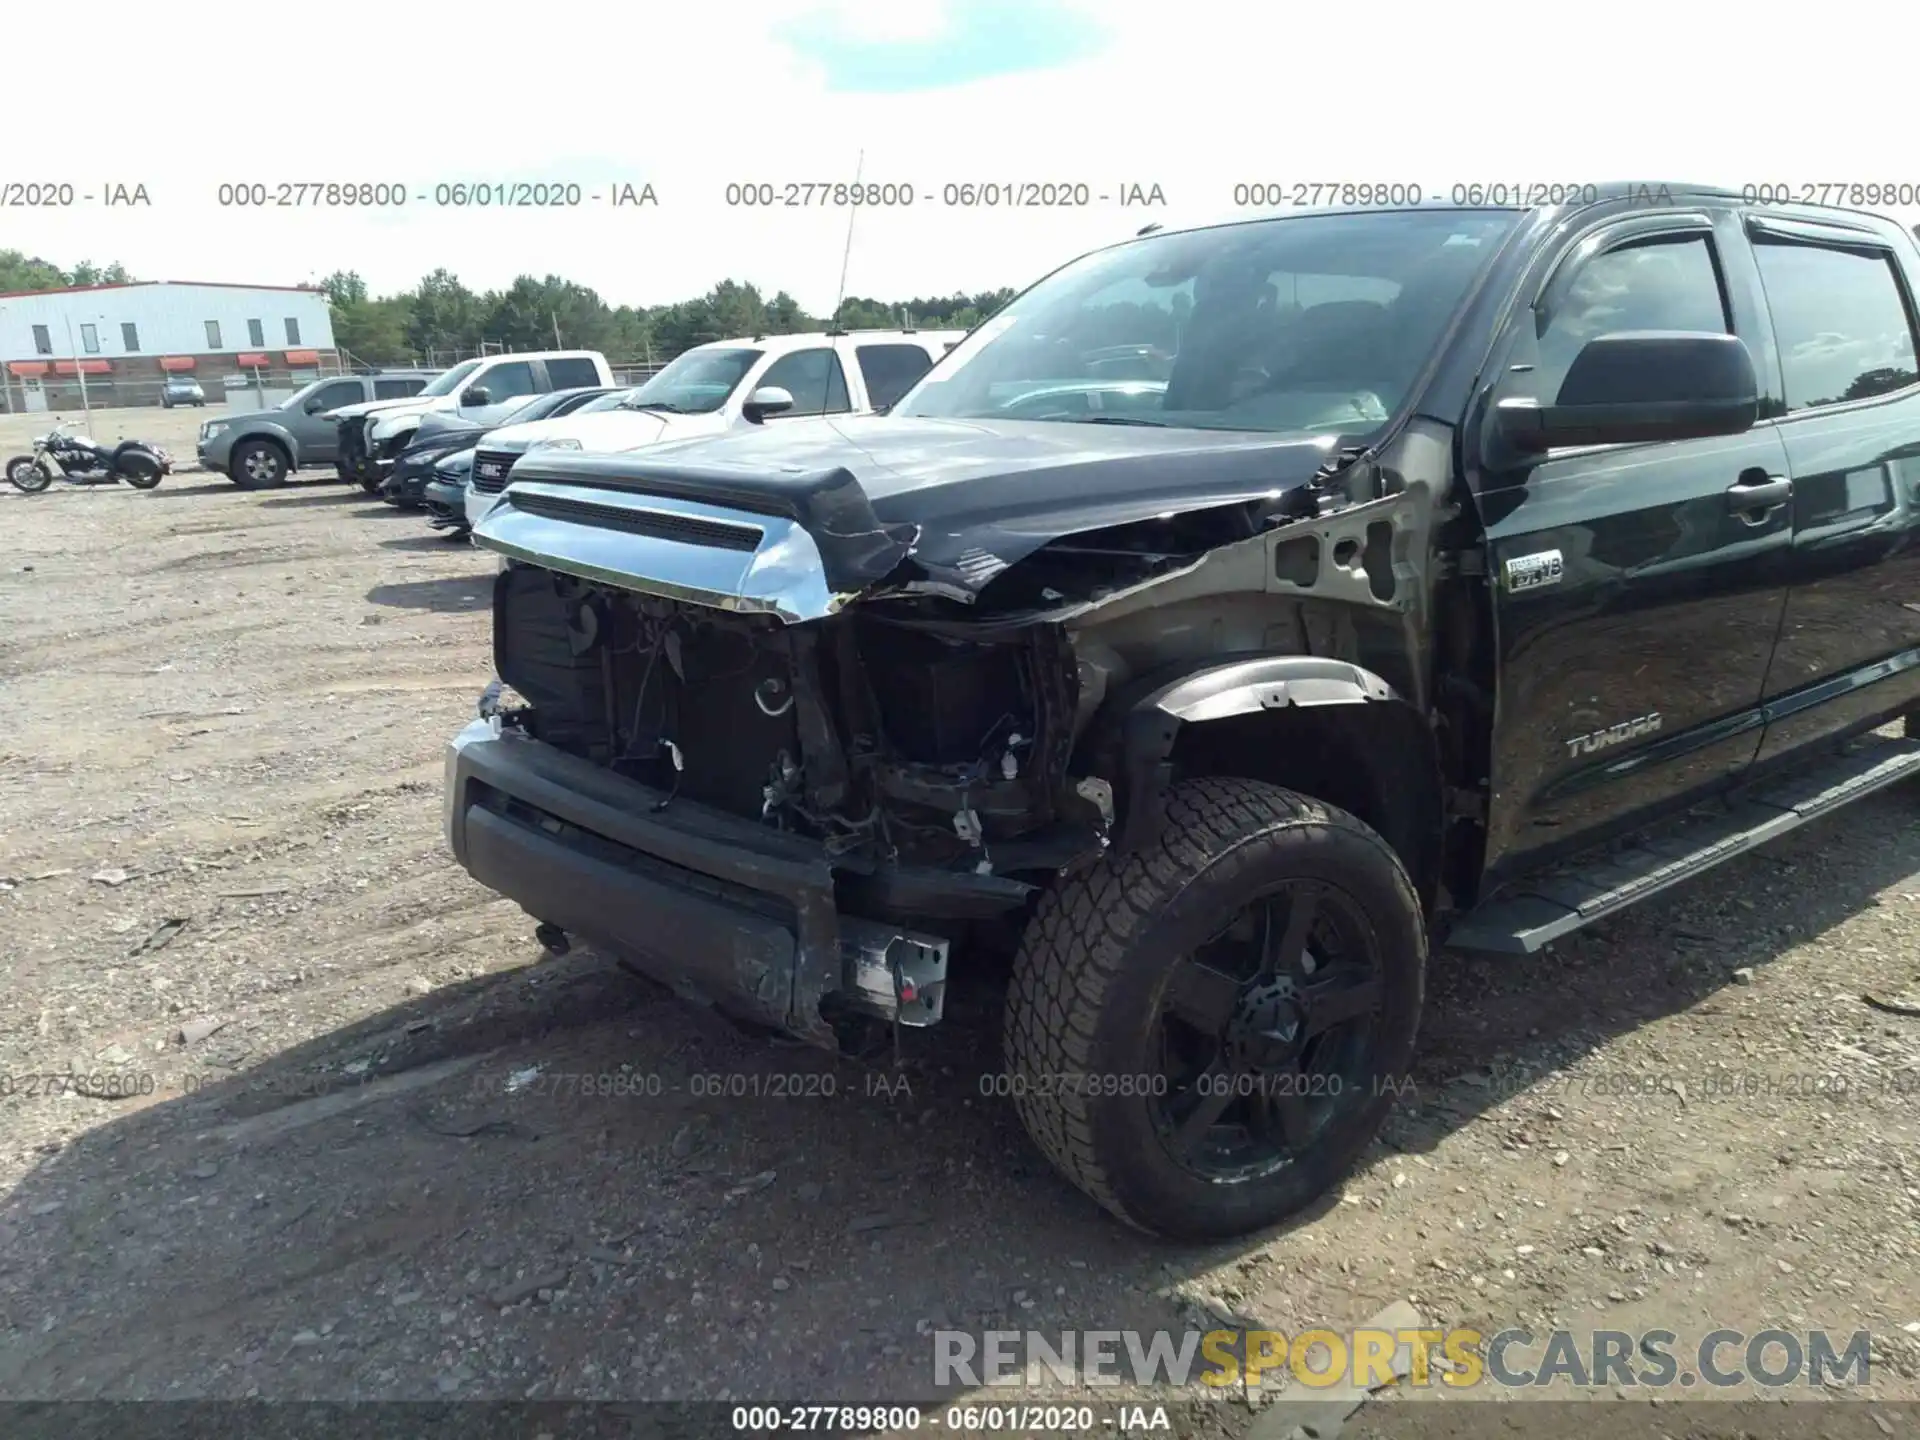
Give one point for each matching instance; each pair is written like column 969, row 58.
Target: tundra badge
column 1530, row 572
column 1614, row 734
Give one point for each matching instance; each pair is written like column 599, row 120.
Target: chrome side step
column 1532, row 913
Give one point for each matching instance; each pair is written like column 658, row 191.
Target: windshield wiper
column 1116, row 420
column 660, row 405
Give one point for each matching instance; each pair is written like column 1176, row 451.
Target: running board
column 1531, row 914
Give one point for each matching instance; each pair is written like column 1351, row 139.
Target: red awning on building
column 253, row 360
column 176, row 362
column 81, row 367
column 28, row 367
column 303, row 357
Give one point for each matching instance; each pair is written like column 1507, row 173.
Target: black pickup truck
column 1466, row 575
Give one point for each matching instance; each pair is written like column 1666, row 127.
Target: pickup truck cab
column 484, row 391
column 727, row 385
column 260, row 448
column 1478, row 573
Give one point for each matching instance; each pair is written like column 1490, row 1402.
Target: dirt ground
column 381, row 1147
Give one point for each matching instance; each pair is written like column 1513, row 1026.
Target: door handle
column 1761, row 495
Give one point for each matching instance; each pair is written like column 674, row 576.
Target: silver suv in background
column 261, row 448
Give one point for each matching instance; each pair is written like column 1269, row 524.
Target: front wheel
column 27, row 474
column 1205, row 1036
column 258, row 465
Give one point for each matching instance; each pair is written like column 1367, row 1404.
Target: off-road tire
column 237, row 465
column 1090, row 971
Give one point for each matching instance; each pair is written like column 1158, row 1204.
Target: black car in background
column 443, row 435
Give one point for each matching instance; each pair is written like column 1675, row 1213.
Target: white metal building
column 128, row 338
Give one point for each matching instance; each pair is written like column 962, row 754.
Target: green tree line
column 440, row 316
column 29, row 272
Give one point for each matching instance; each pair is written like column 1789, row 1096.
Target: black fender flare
column 1241, row 687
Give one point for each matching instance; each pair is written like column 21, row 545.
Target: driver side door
column 1637, row 598
column 815, row 380
column 319, row 437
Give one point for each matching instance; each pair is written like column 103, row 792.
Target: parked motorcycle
column 79, row 461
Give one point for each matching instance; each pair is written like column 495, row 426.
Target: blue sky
column 977, row 40
column 920, row 97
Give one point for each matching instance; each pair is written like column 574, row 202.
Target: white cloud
column 1193, row 97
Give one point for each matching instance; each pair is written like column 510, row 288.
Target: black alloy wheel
column 1265, row 1030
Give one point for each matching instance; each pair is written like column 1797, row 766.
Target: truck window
column 340, row 392
column 814, row 379
column 573, row 373
column 505, row 382
column 1840, row 320
column 396, row 389
column 1666, row 284
column 890, row 370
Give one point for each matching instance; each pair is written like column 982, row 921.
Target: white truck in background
column 485, row 391
column 720, row 386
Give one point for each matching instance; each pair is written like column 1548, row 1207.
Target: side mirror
column 476, row 395
column 314, row 407
column 767, row 400
column 1640, row 385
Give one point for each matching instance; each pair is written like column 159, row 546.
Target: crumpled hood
column 964, row 499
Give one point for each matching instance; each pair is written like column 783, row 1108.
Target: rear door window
column 890, row 370
column 1840, row 319
column 572, row 373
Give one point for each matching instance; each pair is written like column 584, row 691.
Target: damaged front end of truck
column 787, row 753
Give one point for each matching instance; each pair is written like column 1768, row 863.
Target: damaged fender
column 1240, row 688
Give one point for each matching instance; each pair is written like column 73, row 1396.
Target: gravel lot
column 224, row 872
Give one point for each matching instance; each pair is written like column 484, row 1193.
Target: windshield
column 1308, row 323
column 698, row 382
column 450, row 381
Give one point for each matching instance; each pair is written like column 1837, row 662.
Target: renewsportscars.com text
column 1514, row 1358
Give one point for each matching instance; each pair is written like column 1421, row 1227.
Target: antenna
column 847, row 254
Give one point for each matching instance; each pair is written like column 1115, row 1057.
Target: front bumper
column 212, row 454
column 408, row 483
column 447, row 503
column 725, row 911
